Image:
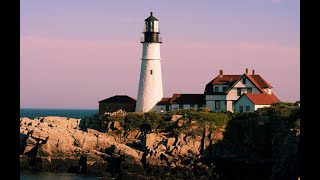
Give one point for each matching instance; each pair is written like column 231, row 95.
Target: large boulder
column 153, row 139
column 55, row 144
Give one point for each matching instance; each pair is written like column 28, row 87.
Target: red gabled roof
column 261, row 81
column 164, row 101
column 174, row 97
column 261, row 99
column 183, row 99
column 275, row 97
column 222, row 80
column 255, row 83
column 225, row 79
column 230, row 80
column 188, row 99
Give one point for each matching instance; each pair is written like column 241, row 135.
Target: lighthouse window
column 150, row 71
column 146, row 26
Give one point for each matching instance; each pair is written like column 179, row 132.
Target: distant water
column 31, row 175
column 72, row 113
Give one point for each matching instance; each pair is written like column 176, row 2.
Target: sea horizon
column 42, row 112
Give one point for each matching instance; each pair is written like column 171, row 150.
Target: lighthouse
column 150, row 90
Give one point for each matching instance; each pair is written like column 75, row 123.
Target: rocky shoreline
column 58, row 144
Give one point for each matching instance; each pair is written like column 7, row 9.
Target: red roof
column 188, row 99
column 261, row 81
column 230, row 80
column 225, row 79
column 261, row 99
column 164, row 101
column 183, row 99
column 174, row 97
column 255, row 83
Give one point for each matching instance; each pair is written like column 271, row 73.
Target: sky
column 75, row 53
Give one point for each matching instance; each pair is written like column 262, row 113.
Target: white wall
column 229, row 106
column 195, row 106
column 223, row 106
column 215, row 97
column 212, row 105
column 151, row 51
column 175, row 106
column 150, row 90
column 244, row 101
column 260, row 106
column 232, row 95
column 158, row 108
column 268, row 90
column 220, row 87
column 186, row 106
column 210, row 102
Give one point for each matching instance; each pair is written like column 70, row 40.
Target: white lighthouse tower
column 150, row 85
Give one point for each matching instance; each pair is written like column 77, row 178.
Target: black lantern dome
column 151, row 30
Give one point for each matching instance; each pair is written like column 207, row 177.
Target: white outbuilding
column 249, row 102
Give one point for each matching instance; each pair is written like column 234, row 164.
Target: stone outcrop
column 56, row 140
column 58, row 144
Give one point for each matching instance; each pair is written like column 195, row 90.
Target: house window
column 225, row 102
column 180, row 106
column 167, row 108
column 244, row 81
column 217, row 104
column 249, row 90
column 200, row 105
column 224, row 89
column 240, row 108
column 247, row 108
column 191, row 105
column 216, row 89
column 150, row 71
column 238, row 91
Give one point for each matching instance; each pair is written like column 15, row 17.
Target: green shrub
column 133, row 121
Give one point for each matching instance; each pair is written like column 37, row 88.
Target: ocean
column 72, row 113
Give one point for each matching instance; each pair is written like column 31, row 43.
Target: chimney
column 252, row 71
column 247, row 71
column 221, row 72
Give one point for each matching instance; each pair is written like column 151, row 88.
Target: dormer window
column 224, row 89
column 244, row 81
column 216, row 89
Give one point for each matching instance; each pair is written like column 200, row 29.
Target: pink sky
column 77, row 70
